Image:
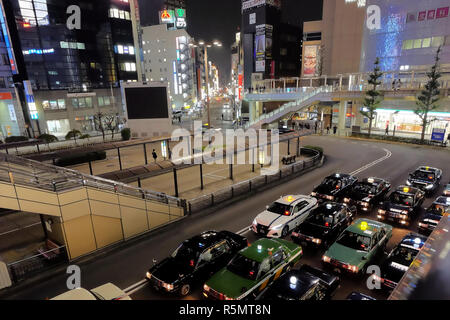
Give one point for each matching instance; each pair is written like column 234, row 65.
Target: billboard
column 249, row 4
column 310, row 60
column 167, row 16
column 146, row 103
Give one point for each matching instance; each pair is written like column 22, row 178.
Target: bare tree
column 112, row 123
column 98, row 123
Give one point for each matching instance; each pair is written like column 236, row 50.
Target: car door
column 299, row 214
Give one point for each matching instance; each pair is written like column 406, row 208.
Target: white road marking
column 244, row 231
column 367, row 166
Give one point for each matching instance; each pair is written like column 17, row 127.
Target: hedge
column 48, row 138
column 16, row 139
column 80, row 158
column 126, row 134
column 394, row 139
column 317, row 148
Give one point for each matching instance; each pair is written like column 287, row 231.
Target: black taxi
column 425, row 178
column 367, row 193
column 334, row 187
column 402, row 205
column 434, row 214
column 194, row 261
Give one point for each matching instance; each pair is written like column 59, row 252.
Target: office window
column 75, row 102
column 107, row 101
column 45, row 105
column 89, row 102
column 417, row 44
column 61, row 103
column 437, row 41
column 100, row 102
column 407, row 44
column 53, row 104
column 426, row 43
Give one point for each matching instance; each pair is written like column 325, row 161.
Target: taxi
column 399, row 260
column 425, row 178
column 334, row 187
column 446, row 192
column 434, row 214
column 358, row 246
column 252, row 270
column 283, row 215
column 367, row 193
column 403, row 203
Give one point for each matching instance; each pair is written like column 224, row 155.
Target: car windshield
column 405, row 254
column 244, row 267
column 186, row 255
column 402, row 199
column 423, row 175
column 354, row 241
column 332, row 183
column 280, row 208
column 321, row 218
column 365, row 188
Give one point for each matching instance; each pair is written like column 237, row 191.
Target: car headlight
column 206, row 288
column 330, row 197
column 317, row 241
column 148, row 275
column 429, row 186
column 277, row 227
column 168, row 286
column 326, row 259
column 447, row 192
column 346, row 200
column 423, row 225
column 408, row 182
column 313, row 194
column 381, row 211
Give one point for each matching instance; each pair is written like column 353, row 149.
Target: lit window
column 417, row 43
column 120, row 49
column 437, row 41
column 426, row 43
column 407, row 44
column 81, row 46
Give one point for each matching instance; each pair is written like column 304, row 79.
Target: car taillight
column 191, row 263
column 327, row 224
column 287, row 213
column 248, row 243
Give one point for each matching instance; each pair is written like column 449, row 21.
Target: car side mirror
column 155, row 261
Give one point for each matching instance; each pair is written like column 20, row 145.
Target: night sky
column 211, row 20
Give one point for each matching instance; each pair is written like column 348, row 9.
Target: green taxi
column 253, row 269
column 358, row 245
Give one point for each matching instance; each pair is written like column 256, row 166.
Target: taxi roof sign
column 289, row 198
column 363, row 225
column 406, row 189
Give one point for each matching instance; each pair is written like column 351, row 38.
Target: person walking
column 334, row 129
column 328, row 130
column 155, row 156
column 399, row 84
column 387, row 130
column 394, row 84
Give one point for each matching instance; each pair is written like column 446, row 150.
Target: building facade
column 74, row 53
column 168, row 57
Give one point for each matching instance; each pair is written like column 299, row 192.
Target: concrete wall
column 87, row 219
column 342, row 36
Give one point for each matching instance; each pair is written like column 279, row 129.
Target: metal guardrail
column 236, row 190
column 44, row 176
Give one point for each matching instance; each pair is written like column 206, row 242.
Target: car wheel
column 185, row 290
column 285, row 232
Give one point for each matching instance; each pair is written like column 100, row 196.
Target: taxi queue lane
column 312, row 256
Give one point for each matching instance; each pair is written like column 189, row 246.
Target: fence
column 237, row 190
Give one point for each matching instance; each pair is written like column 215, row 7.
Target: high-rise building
column 74, row 53
column 271, row 47
column 169, row 58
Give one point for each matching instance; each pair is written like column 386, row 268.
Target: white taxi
column 283, row 215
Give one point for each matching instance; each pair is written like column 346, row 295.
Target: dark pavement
column 128, row 266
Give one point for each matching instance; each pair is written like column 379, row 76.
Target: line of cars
column 232, row 269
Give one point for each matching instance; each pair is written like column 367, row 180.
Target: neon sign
column 38, row 51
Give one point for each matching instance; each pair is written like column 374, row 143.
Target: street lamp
column 205, row 47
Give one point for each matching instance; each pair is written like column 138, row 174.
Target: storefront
column 8, row 117
column 408, row 122
column 58, row 127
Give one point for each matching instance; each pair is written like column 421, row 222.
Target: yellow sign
column 364, row 226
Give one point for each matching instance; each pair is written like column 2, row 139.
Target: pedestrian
column 315, row 127
column 222, row 116
column 448, row 139
column 393, row 84
column 155, row 156
column 328, row 130
column 387, row 130
column 264, row 110
column 399, row 84
column 170, row 153
column 334, row 129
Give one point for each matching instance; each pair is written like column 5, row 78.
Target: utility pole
column 207, row 85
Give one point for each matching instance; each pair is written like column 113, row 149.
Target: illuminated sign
column 167, row 16
column 257, row 3
column 30, row 100
column 38, row 51
column 7, row 37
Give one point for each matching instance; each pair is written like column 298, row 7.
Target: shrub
column 15, row 139
column 395, row 139
column 126, row 134
column 84, row 136
column 48, row 138
column 81, row 158
column 316, row 148
column 73, row 134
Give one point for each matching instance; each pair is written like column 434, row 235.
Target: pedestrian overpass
column 80, row 212
column 297, row 94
